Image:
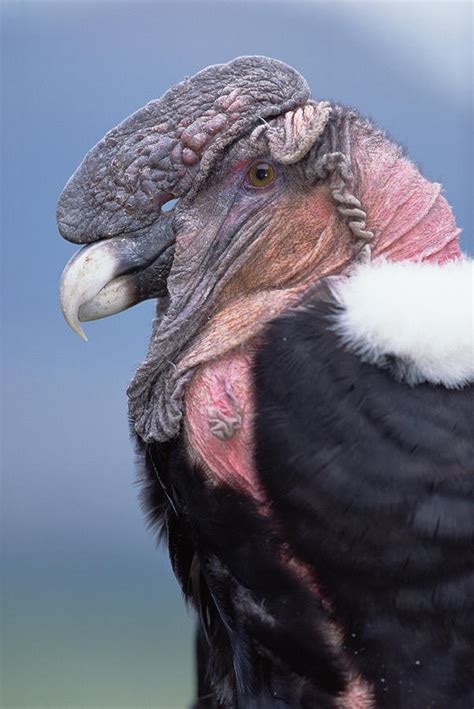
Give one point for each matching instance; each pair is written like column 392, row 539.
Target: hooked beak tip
column 81, row 333
column 73, row 323
column 106, row 277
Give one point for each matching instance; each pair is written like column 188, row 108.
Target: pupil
column 261, row 173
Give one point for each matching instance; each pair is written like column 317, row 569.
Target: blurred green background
column 91, row 614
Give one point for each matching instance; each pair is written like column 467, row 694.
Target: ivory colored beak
column 111, row 275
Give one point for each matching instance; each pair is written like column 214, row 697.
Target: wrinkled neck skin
column 408, row 215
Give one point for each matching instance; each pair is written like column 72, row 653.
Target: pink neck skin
column 409, row 216
column 222, row 390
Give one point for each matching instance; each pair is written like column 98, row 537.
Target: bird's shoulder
column 361, row 424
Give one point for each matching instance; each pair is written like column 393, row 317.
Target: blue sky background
column 91, row 615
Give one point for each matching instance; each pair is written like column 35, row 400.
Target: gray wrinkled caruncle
column 113, row 203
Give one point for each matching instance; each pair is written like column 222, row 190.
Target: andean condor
column 305, row 409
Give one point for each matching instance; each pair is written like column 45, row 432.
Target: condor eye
column 261, row 174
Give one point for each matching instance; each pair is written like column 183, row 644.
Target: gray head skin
column 229, row 244
column 163, row 151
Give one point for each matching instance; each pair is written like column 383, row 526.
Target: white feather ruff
column 419, row 313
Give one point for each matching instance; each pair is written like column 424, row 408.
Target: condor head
column 273, row 190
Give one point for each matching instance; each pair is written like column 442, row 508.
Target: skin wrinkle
column 391, row 217
column 412, row 205
column 432, row 232
column 271, row 290
column 186, row 257
column 220, row 245
column 278, row 259
column 227, row 265
column 291, row 138
column 233, row 257
column 190, row 268
column 403, row 223
column 439, row 253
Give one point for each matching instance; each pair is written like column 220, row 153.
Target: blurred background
column 91, row 615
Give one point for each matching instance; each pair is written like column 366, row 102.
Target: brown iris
column 261, row 174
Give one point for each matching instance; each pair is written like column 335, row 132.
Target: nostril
column 168, row 206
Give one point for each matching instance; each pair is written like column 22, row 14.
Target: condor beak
column 109, row 276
